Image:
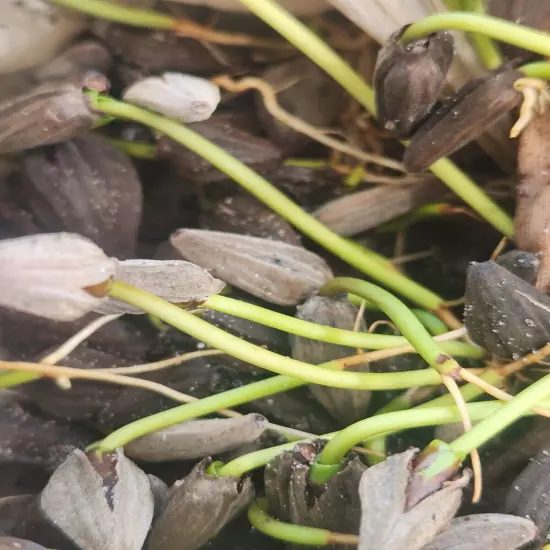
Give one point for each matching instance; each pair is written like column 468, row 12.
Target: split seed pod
column 100, row 503
column 87, row 186
column 198, row 507
column 530, row 492
column 504, row 314
column 197, row 438
column 388, row 521
column 50, row 113
column 273, row 271
column 364, row 210
column 180, row 96
column 463, row 118
column 47, row 275
column 408, row 79
column 172, row 280
column 346, row 406
column 334, row 506
column 485, row 532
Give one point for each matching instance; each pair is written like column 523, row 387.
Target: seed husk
column 12, row 543
column 346, row 406
column 172, row 280
column 257, row 153
column 46, row 275
column 463, row 118
column 525, row 265
column 48, row 114
column 358, row 212
column 99, row 502
column 408, row 79
column 198, row 507
column 87, row 186
column 179, row 96
column 197, row 438
column 273, row 271
column 504, row 314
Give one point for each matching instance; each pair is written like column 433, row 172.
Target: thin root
column 536, row 97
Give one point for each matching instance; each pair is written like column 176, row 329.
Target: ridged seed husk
column 48, row 114
column 358, row 212
column 172, row 280
column 273, row 271
column 463, row 118
column 197, row 438
column 408, row 79
column 346, row 406
column 88, row 186
column 291, row 498
column 198, row 507
column 504, row 314
column 529, row 493
column 524, row 265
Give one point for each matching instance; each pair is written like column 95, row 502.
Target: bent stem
column 521, row 36
column 295, row 534
column 328, row 60
column 255, row 355
column 322, row 333
column 369, row 262
column 486, row 49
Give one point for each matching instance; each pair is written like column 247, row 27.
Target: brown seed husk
column 48, row 114
column 408, row 79
column 87, row 186
column 358, row 212
column 197, row 438
column 198, row 507
column 274, row 271
column 463, row 118
column 346, row 406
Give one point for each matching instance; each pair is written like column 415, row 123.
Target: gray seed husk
column 197, row 438
column 277, row 272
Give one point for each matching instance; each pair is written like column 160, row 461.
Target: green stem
column 403, row 318
column 255, row 355
column 295, row 534
column 502, row 418
column 105, row 9
column 537, row 69
column 12, row 378
column 431, row 323
column 140, row 150
column 370, row 263
column 321, row 54
column 340, row 442
column 322, row 333
column 504, row 31
column 486, row 49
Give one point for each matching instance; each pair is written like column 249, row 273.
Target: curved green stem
column 140, row 150
column 321, row 54
column 331, row 335
column 255, row 355
column 504, row 31
column 486, row 49
column 502, row 418
column 537, row 69
column 339, row 442
column 403, row 318
column 106, row 9
column 295, row 534
column 431, row 323
column 370, row 263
